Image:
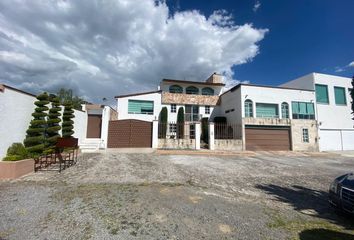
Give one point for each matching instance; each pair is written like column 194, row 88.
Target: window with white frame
column 248, row 108
column 173, row 108
column 285, row 110
column 305, row 135
column 207, row 110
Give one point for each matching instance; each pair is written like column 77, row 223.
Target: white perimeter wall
column 16, row 110
column 15, row 115
column 122, row 107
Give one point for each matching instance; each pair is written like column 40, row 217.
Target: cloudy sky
column 106, row 48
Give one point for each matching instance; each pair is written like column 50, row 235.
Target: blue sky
column 304, row 36
column 101, row 49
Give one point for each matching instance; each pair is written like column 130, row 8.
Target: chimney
column 214, row 78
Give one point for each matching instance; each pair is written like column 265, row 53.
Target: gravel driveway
column 114, row 195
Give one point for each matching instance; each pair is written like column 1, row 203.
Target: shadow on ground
column 309, row 201
column 320, row 234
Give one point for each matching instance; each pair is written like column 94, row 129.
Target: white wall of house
column 336, row 130
column 80, row 125
column 15, row 115
column 122, row 107
column 274, row 96
column 230, row 106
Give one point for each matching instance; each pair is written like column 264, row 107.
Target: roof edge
column 137, row 94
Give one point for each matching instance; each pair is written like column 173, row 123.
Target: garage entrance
column 129, row 133
column 267, row 138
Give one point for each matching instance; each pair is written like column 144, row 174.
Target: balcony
column 180, row 98
column 191, row 117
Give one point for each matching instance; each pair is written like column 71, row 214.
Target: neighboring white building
column 333, row 107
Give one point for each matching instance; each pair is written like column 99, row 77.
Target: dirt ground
column 111, row 195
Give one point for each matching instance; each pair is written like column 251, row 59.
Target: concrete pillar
column 155, row 137
column 106, row 112
column 211, row 136
column 197, row 136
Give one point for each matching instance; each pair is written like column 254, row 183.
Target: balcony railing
column 191, row 117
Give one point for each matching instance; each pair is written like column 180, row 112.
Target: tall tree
column 68, row 123
column 66, row 95
column 180, row 123
column 35, row 138
column 53, row 121
column 352, row 95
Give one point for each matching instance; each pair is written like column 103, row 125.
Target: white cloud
column 256, row 6
column 339, row 69
column 105, row 48
column 351, row 64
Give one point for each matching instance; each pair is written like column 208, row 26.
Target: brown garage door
column 94, row 126
column 129, row 134
column 268, row 139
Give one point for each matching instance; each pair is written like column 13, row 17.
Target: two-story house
column 198, row 99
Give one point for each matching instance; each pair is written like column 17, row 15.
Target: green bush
column 53, row 122
column 16, row 152
column 180, row 123
column 36, row 135
column 163, row 121
column 67, row 125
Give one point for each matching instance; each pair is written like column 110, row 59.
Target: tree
column 66, row 95
column 53, row 121
column 163, row 122
column 352, row 96
column 180, row 123
column 35, row 138
column 68, row 123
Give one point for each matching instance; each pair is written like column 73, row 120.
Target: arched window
column 248, row 108
column 176, row 89
column 192, row 90
column 284, row 110
column 208, row 91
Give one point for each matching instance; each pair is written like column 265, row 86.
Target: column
column 197, row 136
column 211, row 136
column 155, row 137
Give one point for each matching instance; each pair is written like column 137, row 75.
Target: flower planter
column 16, row 169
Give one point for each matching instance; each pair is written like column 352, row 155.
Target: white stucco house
column 333, row 109
column 307, row 114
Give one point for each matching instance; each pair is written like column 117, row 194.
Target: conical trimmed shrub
column 53, row 121
column 68, row 123
column 35, row 138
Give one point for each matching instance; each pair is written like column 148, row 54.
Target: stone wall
column 296, row 135
column 180, row 98
column 267, row 121
column 228, row 144
column 176, row 143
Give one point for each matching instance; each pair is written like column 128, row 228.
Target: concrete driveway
column 115, row 195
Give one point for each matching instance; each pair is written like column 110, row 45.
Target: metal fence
column 227, row 131
column 174, row 130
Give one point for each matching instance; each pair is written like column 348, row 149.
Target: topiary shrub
column 180, row 123
column 16, row 152
column 163, row 122
column 53, row 122
column 68, row 123
column 205, row 130
column 35, row 138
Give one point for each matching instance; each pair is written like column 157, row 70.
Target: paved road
column 156, row 196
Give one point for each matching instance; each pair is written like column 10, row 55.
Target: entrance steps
column 90, row 145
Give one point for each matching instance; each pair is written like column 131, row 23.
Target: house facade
column 333, row 109
column 198, row 99
column 272, row 118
